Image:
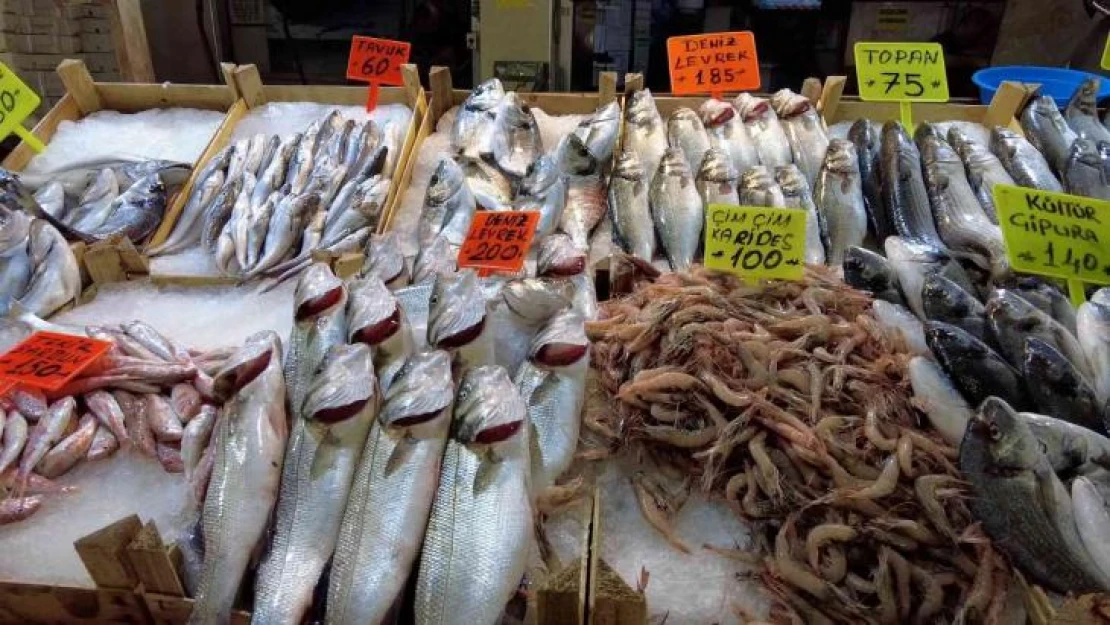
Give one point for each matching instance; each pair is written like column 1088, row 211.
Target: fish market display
column 786, row 398
column 839, row 196
column 262, row 205
column 38, row 271
column 804, row 129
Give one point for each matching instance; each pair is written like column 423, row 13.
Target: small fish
column 913, row 262
column 644, row 130
column 543, row 189
column 804, row 129
column 15, row 439
column 476, row 117
column 1058, row 389
column 728, row 133
column 163, row 422
column 872, row 272
column 599, row 130
column 105, row 407
column 104, row 444
column 516, row 139
column 865, row 137
column 717, row 179
column 976, row 369
column 285, row 225
column 385, row 260
column 839, row 196
column 367, row 203
column 1047, row 131
column 258, row 222
column 56, row 279
column 629, row 207
column 196, row 437
column 1013, row 319
column 218, row 212
column 47, row 432
column 1082, row 112
column 185, row 401
column 1083, row 172
column 252, row 156
column 984, row 170
column 904, row 194
column 1022, row 161
column 676, row 210
column 766, row 131
column 796, row 194
column 69, row 451
column 15, row 509
column 686, row 133
column 944, row 300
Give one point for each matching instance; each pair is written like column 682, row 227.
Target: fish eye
column 993, row 431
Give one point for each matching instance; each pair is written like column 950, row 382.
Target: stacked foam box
column 36, row 35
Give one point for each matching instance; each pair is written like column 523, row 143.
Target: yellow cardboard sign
column 1106, row 55
column 17, row 101
column 1055, row 234
column 899, row 72
column 756, row 241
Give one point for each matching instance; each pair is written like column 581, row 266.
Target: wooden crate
column 248, row 83
column 106, row 262
column 1002, row 111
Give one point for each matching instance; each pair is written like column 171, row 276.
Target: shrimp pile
column 791, row 402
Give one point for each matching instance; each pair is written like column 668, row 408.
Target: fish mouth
column 416, row 419
column 314, row 306
column 757, row 110
column 566, row 267
column 377, row 332
column 497, row 433
column 337, row 414
column 560, row 354
column 463, row 337
column 726, row 114
column 230, row 381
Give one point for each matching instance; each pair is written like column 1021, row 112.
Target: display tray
column 256, row 94
column 107, row 261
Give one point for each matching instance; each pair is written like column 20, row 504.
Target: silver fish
column 1013, row 319
column 717, row 178
column 543, row 189
column 644, row 130
column 866, row 139
column 187, row 230
column 52, row 199
column 105, row 407
column 299, row 172
column 796, row 194
column 134, row 214
column 285, row 225
column 553, row 384
column 872, row 272
column 476, row 543
column 272, row 177
column 758, row 188
column 1022, row 161
column 559, row 257
column 516, row 141
column 391, row 497
column 385, row 260
column 903, row 187
column 237, row 158
column 361, row 143
column 258, row 223
column 587, row 203
column 69, row 451
column 1058, row 388
column 15, row 439
column 104, row 444
column 763, row 125
column 476, row 117
column 629, row 207
column 365, row 209
column 336, row 149
column 1092, row 521
column 246, row 471
column 195, row 440
column 218, row 212
column 524, row 306
column 47, row 432
column 676, row 210
column 320, row 463
column 256, row 148
column 574, row 157
column 839, row 196
column 437, row 257
column 1082, row 112
column 944, row 300
column 1093, row 333
column 449, row 205
column 56, row 279
column 728, row 133
column 960, row 220
column 1083, row 172
column 16, row 265
column 95, row 202
column 375, row 317
column 1046, row 129
column 1023, row 506
column 804, row 130
column 319, row 322
column 913, row 262
column 984, row 170
column 686, row 133
column 491, row 189
column 457, row 319
column 599, row 130
column 940, row 400
column 390, row 146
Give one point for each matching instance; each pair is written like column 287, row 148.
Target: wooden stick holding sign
column 713, row 63
column 902, row 73
column 378, row 62
column 17, row 101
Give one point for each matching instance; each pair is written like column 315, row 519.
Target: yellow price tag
column 17, row 101
column 893, row 72
column 1055, row 234
column 756, row 241
column 1106, row 55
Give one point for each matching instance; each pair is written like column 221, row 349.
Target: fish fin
column 486, row 474
column 326, row 455
column 401, row 453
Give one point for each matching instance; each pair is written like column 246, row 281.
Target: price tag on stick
column 901, row 72
column 17, row 101
column 498, row 240
column 48, row 360
column 713, row 63
column 756, row 241
column 1056, row 234
column 378, row 62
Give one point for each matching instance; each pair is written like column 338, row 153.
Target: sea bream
column 516, row 142
column 728, row 133
column 1013, row 319
column 804, row 129
column 1084, row 173
column 872, row 272
column 476, row 117
column 629, row 207
column 56, row 278
column 492, row 189
column 599, row 130
column 1058, row 389
column 324, row 449
column 839, row 196
column 246, row 471
column 914, row 262
column 1093, row 332
column 476, row 544
column 391, row 496
column 449, row 205
column 676, row 209
column 587, row 200
column 543, row 189
column 762, row 123
column 1082, row 112
column 984, row 170
column 1022, row 161
column 1046, row 129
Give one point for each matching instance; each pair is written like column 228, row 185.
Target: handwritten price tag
column 48, row 360
column 713, row 63
column 17, row 101
column 499, row 240
column 901, row 71
column 756, row 241
column 378, row 62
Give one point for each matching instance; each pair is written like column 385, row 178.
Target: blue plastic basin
column 1055, row 81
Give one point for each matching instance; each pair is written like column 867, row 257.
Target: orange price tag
column 378, row 62
column 48, row 360
column 713, row 63
column 499, row 240
column 5, row 386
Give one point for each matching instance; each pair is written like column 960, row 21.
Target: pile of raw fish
column 751, row 152
column 262, row 205
column 394, row 431
column 38, row 271
column 1075, row 145
column 147, row 391
column 104, row 200
column 789, row 399
column 498, row 162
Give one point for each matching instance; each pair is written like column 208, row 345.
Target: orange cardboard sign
column 377, row 60
column 499, row 240
column 713, row 63
column 48, row 360
column 5, row 386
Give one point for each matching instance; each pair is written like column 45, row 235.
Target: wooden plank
column 79, row 84
column 249, row 83
column 227, row 71
column 439, row 79
column 402, row 183
column 129, row 41
column 830, row 97
column 561, row 599
column 1007, row 103
column 65, row 110
column 410, row 76
column 811, row 88
column 606, row 87
column 134, row 97
column 150, row 559
column 102, row 552
column 170, row 610
column 633, row 83
column 39, row 604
